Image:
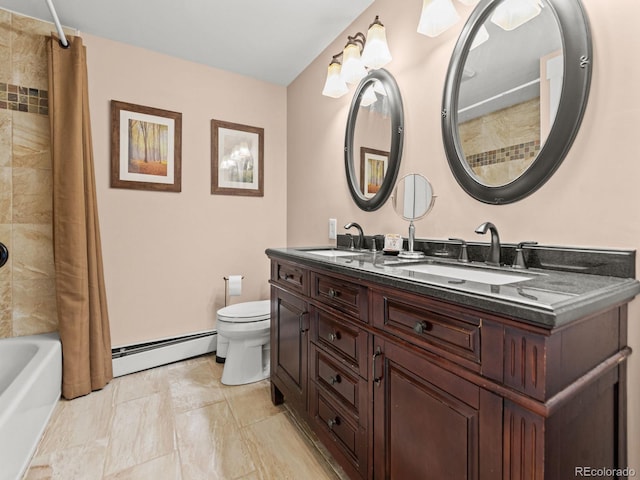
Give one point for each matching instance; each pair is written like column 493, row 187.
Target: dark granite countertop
column 546, row 298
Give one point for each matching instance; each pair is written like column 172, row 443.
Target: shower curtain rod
column 56, row 21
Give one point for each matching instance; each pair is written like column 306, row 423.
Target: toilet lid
column 246, row 312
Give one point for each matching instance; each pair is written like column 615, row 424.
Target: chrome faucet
column 360, row 233
column 493, row 258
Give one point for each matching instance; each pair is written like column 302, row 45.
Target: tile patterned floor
column 178, row 422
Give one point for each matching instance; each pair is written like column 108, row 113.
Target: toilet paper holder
column 226, row 288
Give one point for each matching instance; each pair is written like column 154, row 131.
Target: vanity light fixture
column 376, row 52
column 437, row 16
column 335, row 86
column 510, row 14
column 352, row 66
column 359, row 54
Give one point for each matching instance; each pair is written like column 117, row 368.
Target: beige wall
column 165, row 254
column 592, row 199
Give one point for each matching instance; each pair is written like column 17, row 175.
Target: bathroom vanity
column 435, row 370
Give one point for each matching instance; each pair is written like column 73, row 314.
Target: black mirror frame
column 397, row 139
column 577, row 52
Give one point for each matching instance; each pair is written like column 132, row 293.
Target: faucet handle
column 519, row 261
column 464, row 256
column 375, row 241
column 351, row 245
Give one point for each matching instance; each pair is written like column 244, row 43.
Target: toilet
column 243, row 342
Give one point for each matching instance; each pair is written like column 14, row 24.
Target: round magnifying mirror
column 413, row 198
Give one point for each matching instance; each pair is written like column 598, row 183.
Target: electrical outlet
column 333, row 227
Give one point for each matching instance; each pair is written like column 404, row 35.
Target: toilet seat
column 247, row 312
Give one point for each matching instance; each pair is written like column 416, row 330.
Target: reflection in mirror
column 413, row 198
column 373, row 140
column 509, row 96
column 515, row 96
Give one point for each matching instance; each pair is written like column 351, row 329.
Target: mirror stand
column 411, row 253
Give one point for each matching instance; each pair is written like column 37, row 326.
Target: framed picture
column 237, row 159
column 373, row 168
column 146, row 148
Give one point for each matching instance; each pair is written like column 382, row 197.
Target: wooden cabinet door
column 289, row 345
column 429, row 423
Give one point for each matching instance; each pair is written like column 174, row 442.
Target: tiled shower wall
column 27, row 291
column 501, row 145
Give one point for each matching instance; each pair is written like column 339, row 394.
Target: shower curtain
column 80, row 291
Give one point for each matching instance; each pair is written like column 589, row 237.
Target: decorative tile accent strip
column 24, row 99
column 520, row 151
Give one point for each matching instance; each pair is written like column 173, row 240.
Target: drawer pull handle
column 332, row 422
column 421, row 327
column 334, row 380
column 304, row 327
column 377, row 380
column 334, row 336
column 287, row 276
column 333, row 293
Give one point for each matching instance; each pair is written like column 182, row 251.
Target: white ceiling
column 271, row 40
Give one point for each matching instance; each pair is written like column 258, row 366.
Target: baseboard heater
column 142, row 356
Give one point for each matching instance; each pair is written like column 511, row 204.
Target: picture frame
column 146, row 148
column 373, row 168
column 237, row 159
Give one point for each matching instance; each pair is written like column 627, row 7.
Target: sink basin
column 471, row 274
column 330, row 252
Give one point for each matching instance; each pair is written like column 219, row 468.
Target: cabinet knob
column 333, row 293
column 332, row 422
column 334, row 380
column 334, row 336
column 421, row 327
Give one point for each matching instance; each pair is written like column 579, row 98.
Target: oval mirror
column 515, row 95
column 373, row 140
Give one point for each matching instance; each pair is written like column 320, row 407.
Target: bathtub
column 30, row 380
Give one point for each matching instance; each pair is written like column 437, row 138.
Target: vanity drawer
column 430, row 324
column 346, row 296
column 289, row 276
column 339, row 381
column 340, row 337
column 346, row 437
